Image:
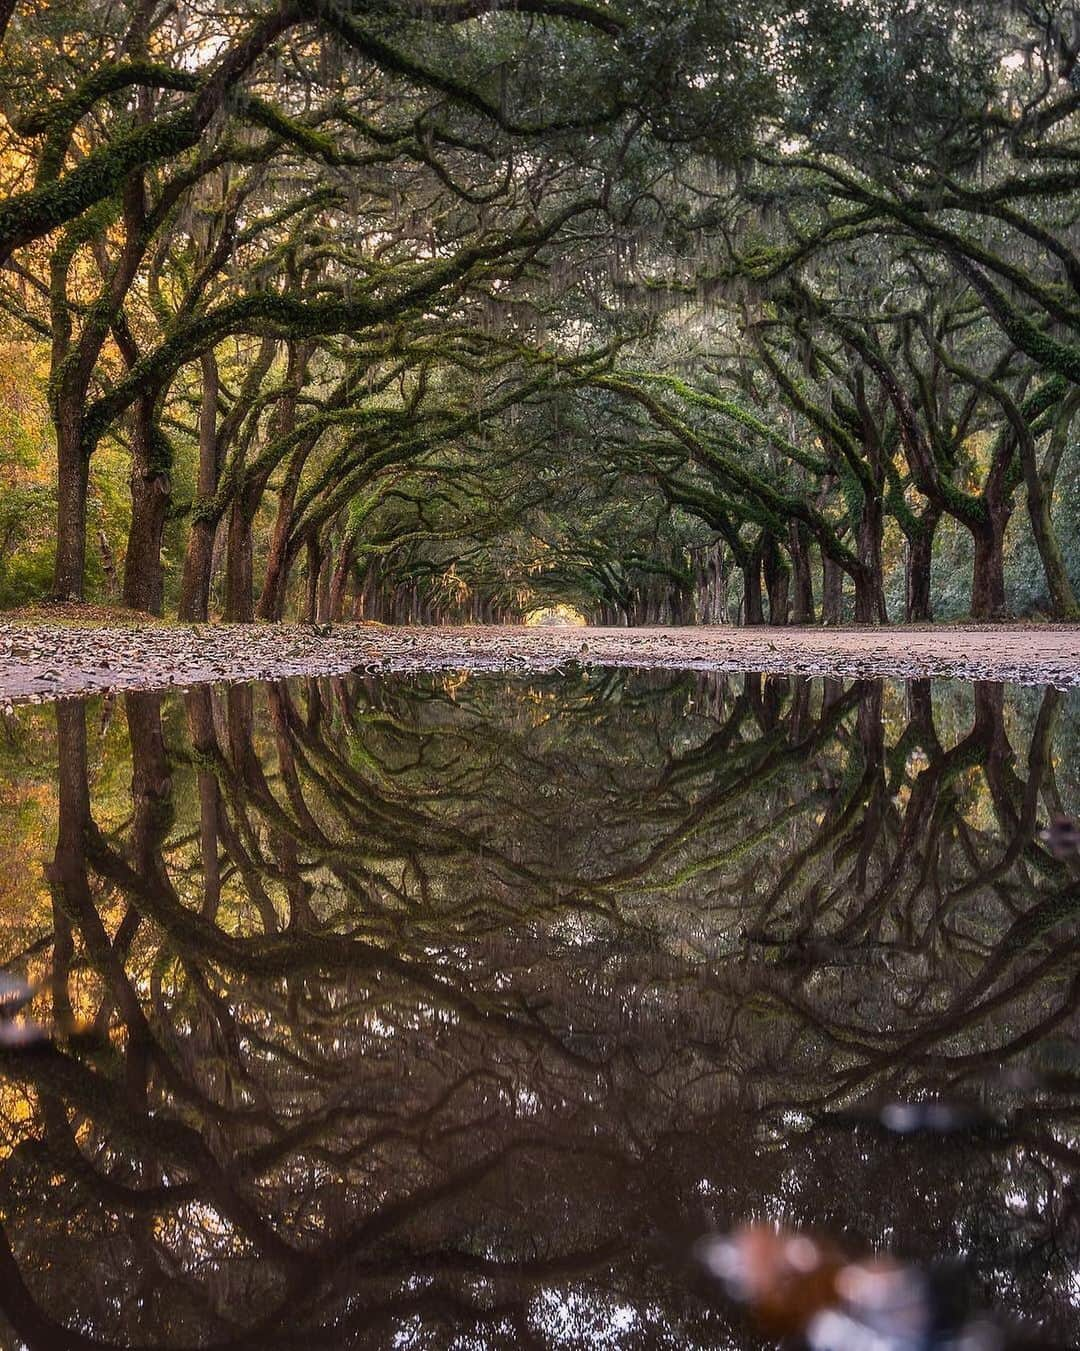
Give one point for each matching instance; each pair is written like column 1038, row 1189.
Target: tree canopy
column 433, row 309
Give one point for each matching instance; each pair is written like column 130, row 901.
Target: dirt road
column 42, row 661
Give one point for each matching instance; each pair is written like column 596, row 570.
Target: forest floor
column 42, row 659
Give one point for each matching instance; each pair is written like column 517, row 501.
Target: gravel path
column 40, row 661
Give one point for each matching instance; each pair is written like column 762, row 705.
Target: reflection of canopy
column 442, row 1006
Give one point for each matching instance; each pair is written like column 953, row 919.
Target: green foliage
column 26, row 551
column 470, row 305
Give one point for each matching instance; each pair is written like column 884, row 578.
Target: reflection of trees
column 435, row 1008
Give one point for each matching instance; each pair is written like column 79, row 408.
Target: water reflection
column 451, row 1012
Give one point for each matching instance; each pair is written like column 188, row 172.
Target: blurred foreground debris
column 1062, row 838
column 26, row 1034
column 807, row 1292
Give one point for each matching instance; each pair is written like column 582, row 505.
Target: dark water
column 447, row 1013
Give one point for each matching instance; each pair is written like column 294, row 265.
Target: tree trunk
column 198, row 565
column 869, row 581
column 870, row 728
column 710, row 589
column 150, row 500
column 751, row 571
column 832, row 591
column 282, row 551
column 144, row 576
column 803, row 607
column 1059, row 586
column 342, row 572
column 151, row 783
column 325, row 583
column 272, row 597
column 777, row 582
column 199, row 555
column 200, row 718
column 918, row 608
column 151, row 495
column 988, row 570
column 1039, row 482
column 314, row 562
column 108, row 564
column 73, row 475
column 67, row 872
column 869, row 598
column 239, row 600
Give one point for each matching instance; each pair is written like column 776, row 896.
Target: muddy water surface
column 449, row 1011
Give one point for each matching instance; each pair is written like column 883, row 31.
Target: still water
column 433, row 1012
